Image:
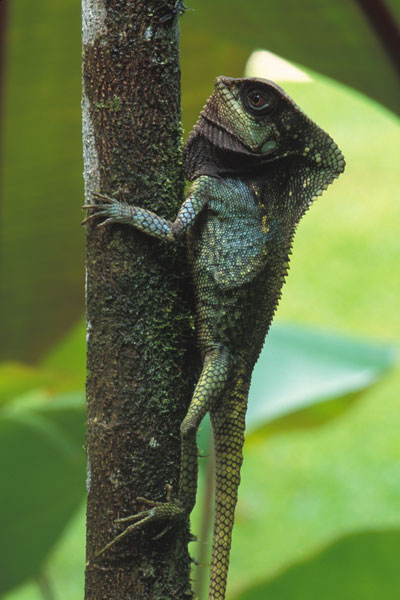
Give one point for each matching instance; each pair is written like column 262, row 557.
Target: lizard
column 255, row 162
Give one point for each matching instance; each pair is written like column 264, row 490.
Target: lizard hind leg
column 228, row 422
column 212, row 381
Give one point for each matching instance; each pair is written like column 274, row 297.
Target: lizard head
column 248, row 123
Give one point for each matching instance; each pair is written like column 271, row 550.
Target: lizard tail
column 228, row 421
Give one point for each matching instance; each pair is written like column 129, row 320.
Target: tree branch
column 140, row 338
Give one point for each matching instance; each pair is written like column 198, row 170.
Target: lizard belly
column 237, row 259
column 230, row 244
column 229, row 267
column 231, row 256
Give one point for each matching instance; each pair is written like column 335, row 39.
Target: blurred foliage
column 304, row 488
column 41, row 278
column 329, row 36
column 41, row 272
column 43, row 473
column 339, row 571
column 318, row 506
column 42, row 432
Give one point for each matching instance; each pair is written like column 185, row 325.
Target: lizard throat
column 222, row 137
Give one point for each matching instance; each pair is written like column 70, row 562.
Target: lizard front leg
column 113, row 211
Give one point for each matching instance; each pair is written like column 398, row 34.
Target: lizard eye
column 256, row 99
column 259, row 102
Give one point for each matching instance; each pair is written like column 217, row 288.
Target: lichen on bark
column 140, row 337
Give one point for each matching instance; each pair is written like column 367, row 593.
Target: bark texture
column 139, row 321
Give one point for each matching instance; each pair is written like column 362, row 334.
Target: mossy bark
column 139, row 320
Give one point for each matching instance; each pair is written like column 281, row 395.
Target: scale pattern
column 256, row 163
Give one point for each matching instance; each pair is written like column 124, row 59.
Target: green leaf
column 65, row 569
column 299, row 367
column 363, row 565
column 218, row 37
column 42, row 465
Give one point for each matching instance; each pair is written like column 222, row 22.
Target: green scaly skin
column 256, row 162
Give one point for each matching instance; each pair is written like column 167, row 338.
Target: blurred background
column 319, row 504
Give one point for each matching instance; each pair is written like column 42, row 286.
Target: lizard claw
column 92, row 217
column 96, row 215
column 103, row 198
column 162, row 532
column 107, row 207
column 108, row 221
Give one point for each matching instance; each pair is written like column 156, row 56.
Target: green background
column 318, row 512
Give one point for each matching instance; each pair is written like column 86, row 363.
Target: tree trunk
column 139, row 321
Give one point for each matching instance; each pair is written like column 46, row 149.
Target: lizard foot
column 157, row 511
column 111, row 209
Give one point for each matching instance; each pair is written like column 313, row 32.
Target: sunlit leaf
column 363, row 565
column 299, row 367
